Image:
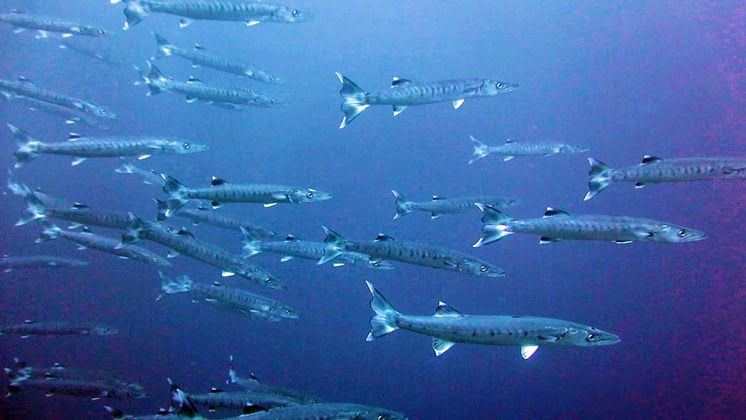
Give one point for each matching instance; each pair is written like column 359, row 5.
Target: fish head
column 307, row 195
column 290, row 15
column 266, row 77
column 480, row 268
column 285, row 312
column 675, row 234
column 266, row 279
column 572, row 148
column 133, row 390
column 104, row 330
column 493, row 87
column 588, row 336
column 96, row 110
column 182, row 147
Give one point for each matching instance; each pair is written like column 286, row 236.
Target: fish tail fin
column 177, row 285
column 162, row 210
column 126, row 168
column 494, row 227
column 180, row 403
column 251, row 244
column 599, row 178
column 28, row 147
column 152, row 77
column 403, row 206
column 135, row 12
column 173, row 188
column 133, row 232
column 49, row 233
column 384, row 321
column 480, row 149
column 115, row 413
column 163, row 46
column 334, row 246
column 34, row 207
column 354, row 100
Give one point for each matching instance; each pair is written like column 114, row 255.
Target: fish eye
column 483, row 268
column 187, row 145
column 499, row 85
column 274, row 101
column 591, row 337
column 295, row 13
column 310, row 194
column 682, row 233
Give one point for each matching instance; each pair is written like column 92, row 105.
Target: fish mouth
column 608, row 340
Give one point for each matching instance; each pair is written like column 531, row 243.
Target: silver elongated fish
column 51, row 328
column 448, row 327
column 221, row 191
column 211, row 217
column 93, row 53
column 86, row 239
column 82, row 148
column 404, row 93
column 32, row 262
column 237, row 300
column 557, row 225
column 283, row 393
column 453, row 205
column 201, row 58
column 654, row 170
column 293, row 247
column 24, row 88
column 196, row 90
column 46, row 24
column 183, row 242
column 180, row 407
column 250, row 12
column 57, row 380
column 246, row 401
column 328, row 411
column 150, row 177
column 386, row 248
column 70, row 116
column 513, row 148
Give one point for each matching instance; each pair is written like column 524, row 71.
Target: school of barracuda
column 252, row 398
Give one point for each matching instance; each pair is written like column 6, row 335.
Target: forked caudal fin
column 178, row 285
column 28, row 147
column 480, row 150
column 152, row 78
column 174, row 202
column 494, row 225
column 251, row 244
column 354, row 100
column 384, row 321
column 135, row 12
column 334, row 246
column 163, row 46
column 403, row 207
column 599, row 174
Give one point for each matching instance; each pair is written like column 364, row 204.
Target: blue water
column 625, row 79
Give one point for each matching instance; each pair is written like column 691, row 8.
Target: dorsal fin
column 381, row 238
column 215, row 390
column 193, row 79
column 444, row 310
column 217, row 284
column 437, row 197
column 86, row 229
column 291, row 238
column 199, row 47
column 184, row 232
column 555, row 212
column 253, row 377
column 650, row 159
column 509, row 141
column 29, row 321
column 73, row 136
column 217, row 181
column 24, row 79
column 79, row 206
column 399, row 82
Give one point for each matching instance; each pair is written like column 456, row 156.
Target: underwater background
column 625, row 79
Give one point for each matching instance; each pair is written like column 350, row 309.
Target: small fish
column 92, row 53
column 214, row 218
column 32, row 262
column 201, row 58
column 387, row 248
column 249, row 12
column 654, row 170
column 25, row 88
column 404, row 93
column 441, row 205
column 46, row 24
column 52, row 328
column 513, row 148
column 221, row 191
column 82, row 148
column 253, row 384
column 448, row 327
column 237, row 300
column 196, row 90
column 150, row 177
column 557, row 225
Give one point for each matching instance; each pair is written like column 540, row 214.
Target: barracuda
column 441, row 205
column 250, row 12
column 82, row 148
column 558, row 225
column 237, row 300
column 195, row 90
column 26, row 89
column 329, row 411
column 51, row 328
column 45, row 24
column 8, row 264
column 448, row 327
column 512, row 149
column 279, row 392
column 654, row 170
column 200, row 57
column 386, row 248
column 404, row 93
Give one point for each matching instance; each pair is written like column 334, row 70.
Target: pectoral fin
column 457, row 103
column 441, row 346
column 398, row 109
column 528, row 351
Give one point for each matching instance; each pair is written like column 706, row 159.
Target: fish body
column 512, row 149
column 328, row 411
column 91, row 53
column 70, row 116
column 26, row 89
column 386, row 248
column 449, row 326
column 82, row 148
column 246, row 401
column 86, row 240
column 195, row 90
column 279, row 392
column 250, row 12
column 180, row 407
column 211, row 217
column 52, row 328
column 441, row 205
column 200, row 57
column 150, row 177
column 32, row 262
column 404, row 93
column 183, row 242
column 237, row 300
column 222, row 191
column 654, row 170
column 558, row 225
column 45, row 24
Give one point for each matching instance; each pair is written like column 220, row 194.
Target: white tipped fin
column 77, row 161
column 227, row 274
column 183, row 23
column 398, row 109
column 269, row 204
column 457, row 103
column 441, row 346
column 507, row 158
column 252, row 22
column 443, row 310
column 528, row 351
